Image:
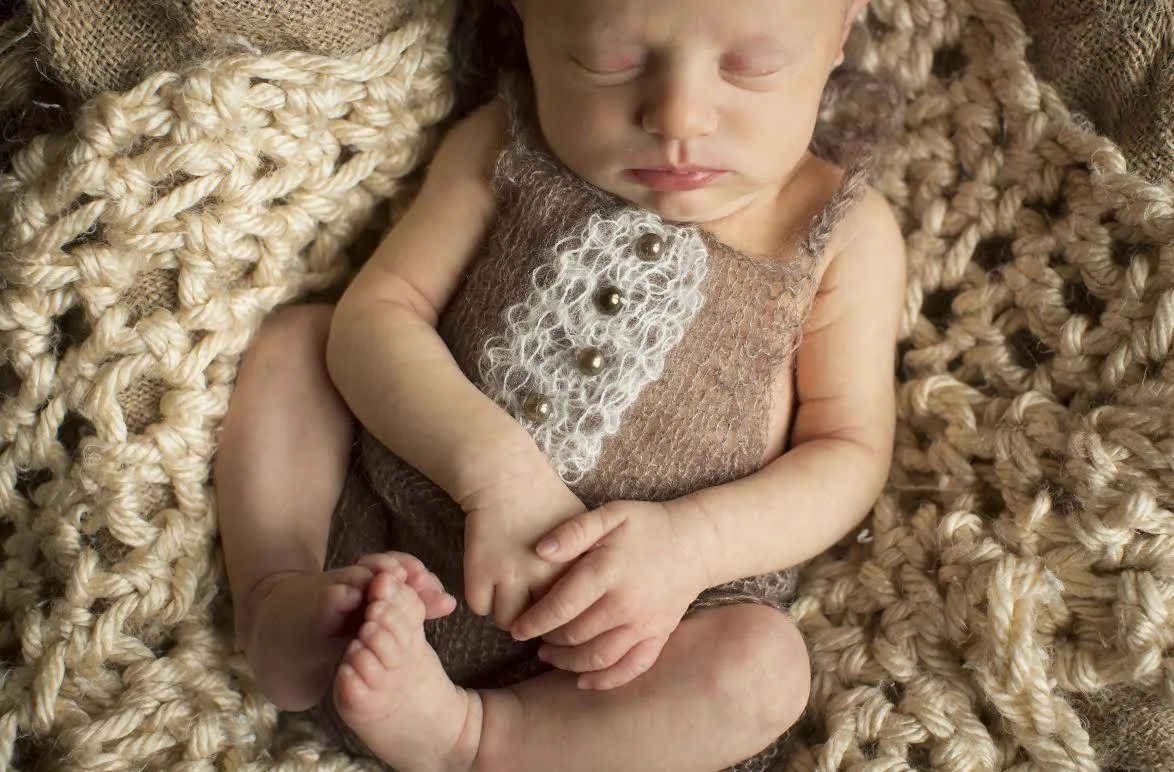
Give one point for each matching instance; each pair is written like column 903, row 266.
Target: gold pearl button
column 591, row 361
column 649, row 246
column 538, row 408
column 609, row 300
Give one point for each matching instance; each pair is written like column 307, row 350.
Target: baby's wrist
column 489, row 474
column 700, row 540
column 520, row 498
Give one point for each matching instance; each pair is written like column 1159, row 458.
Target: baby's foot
column 302, row 622
column 296, row 633
column 393, row 693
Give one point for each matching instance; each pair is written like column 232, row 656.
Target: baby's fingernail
column 400, row 573
column 353, row 647
column 547, row 547
column 392, row 588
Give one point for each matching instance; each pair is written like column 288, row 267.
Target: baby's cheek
column 589, row 147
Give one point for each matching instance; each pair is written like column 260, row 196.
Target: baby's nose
column 679, row 107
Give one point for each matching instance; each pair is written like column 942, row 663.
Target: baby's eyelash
column 608, row 68
column 736, row 66
column 748, row 67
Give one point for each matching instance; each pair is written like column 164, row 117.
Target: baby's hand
column 611, row 614
column 503, row 573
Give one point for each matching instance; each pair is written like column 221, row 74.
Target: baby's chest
column 630, row 340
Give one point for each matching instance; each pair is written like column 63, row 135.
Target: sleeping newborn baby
column 622, row 366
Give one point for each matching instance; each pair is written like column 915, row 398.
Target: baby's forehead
column 754, row 21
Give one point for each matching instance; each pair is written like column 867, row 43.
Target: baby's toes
column 359, row 676
column 435, row 601
column 354, row 576
column 401, row 565
column 335, row 604
column 399, row 609
column 389, row 646
column 408, row 569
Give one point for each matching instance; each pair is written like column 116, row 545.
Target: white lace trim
column 538, row 352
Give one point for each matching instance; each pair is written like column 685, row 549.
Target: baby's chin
column 696, row 207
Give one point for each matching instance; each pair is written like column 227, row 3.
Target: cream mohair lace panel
column 546, row 331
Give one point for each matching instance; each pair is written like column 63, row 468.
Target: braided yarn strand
column 141, row 253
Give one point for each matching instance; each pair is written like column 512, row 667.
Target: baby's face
column 691, row 108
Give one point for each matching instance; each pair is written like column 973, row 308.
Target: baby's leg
column 729, row 681
column 279, row 469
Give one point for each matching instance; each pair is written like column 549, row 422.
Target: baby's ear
column 854, row 12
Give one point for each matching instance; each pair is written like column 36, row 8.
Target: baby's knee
column 765, row 671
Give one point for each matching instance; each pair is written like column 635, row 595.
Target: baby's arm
column 403, row 384
column 809, row 498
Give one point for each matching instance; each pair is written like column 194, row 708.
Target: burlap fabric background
column 1113, row 60
column 98, row 45
column 1020, row 561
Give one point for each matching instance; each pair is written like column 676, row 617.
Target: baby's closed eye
column 609, row 60
column 753, row 64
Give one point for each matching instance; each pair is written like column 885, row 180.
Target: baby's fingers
column 508, row 603
column 570, row 597
column 597, row 654
column 579, row 534
column 634, row 664
column 593, row 622
column 478, row 591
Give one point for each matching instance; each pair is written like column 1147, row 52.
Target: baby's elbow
column 868, row 452
column 874, row 445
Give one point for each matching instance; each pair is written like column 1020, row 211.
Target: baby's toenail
column 367, row 630
column 353, row 647
column 392, row 589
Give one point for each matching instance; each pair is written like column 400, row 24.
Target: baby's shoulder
column 858, row 216
column 866, row 249
column 844, row 194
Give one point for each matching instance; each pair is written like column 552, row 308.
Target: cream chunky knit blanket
column 1020, row 563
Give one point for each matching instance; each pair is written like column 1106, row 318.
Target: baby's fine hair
column 486, row 43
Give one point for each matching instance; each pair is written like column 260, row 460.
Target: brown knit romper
column 701, row 423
